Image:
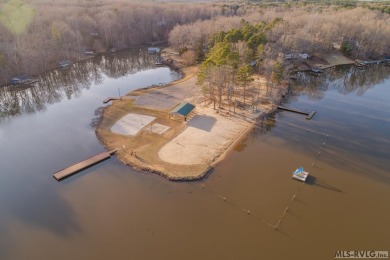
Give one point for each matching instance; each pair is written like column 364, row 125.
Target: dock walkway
column 110, row 99
column 82, row 165
column 308, row 115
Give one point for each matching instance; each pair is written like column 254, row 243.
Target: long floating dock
column 82, row 165
column 308, row 115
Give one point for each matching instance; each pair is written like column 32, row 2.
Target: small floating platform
column 82, row 165
column 300, row 174
column 110, row 99
column 308, row 115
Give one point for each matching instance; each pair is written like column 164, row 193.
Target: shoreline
column 146, row 152
column 143, row 151
column 82, row 57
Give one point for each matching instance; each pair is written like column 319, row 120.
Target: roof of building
column 153, row 49
column 183, row 109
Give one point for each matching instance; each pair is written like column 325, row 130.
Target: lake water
column 111, row 211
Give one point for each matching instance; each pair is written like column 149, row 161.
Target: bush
column 346, row 48
column 189, row 57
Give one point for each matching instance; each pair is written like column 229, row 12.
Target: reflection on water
column 344, row 79
column 55, row 85
column 46, row 127
column 353, row 128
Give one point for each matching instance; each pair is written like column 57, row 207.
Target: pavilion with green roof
column 182, row 110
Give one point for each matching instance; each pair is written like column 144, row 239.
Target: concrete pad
column 159, row 129
column 131, row 124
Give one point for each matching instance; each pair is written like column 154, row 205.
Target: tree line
column 232, row 57
column 56, row 85
column 232, row 48
column 36, row 35
column 380, row 5
column 306, row 29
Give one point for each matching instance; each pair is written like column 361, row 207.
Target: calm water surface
column 110, row 211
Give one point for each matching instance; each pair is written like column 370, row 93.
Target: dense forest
column 232, row 48
column 364, row 33
column 381, row 5
column 37, row 34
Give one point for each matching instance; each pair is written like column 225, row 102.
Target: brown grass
column 141, row 151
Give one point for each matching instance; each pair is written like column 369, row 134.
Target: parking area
column 168, row 97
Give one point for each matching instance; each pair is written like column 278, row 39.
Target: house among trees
column 89, row 52
column 295, row 56
column 336, row 45
column 153, row 50
column 161, row 23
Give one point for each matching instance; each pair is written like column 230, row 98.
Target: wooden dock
column 82, row 165
column 111, row 98
column 308, row 115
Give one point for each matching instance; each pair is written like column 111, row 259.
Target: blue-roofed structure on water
column 182, row 110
